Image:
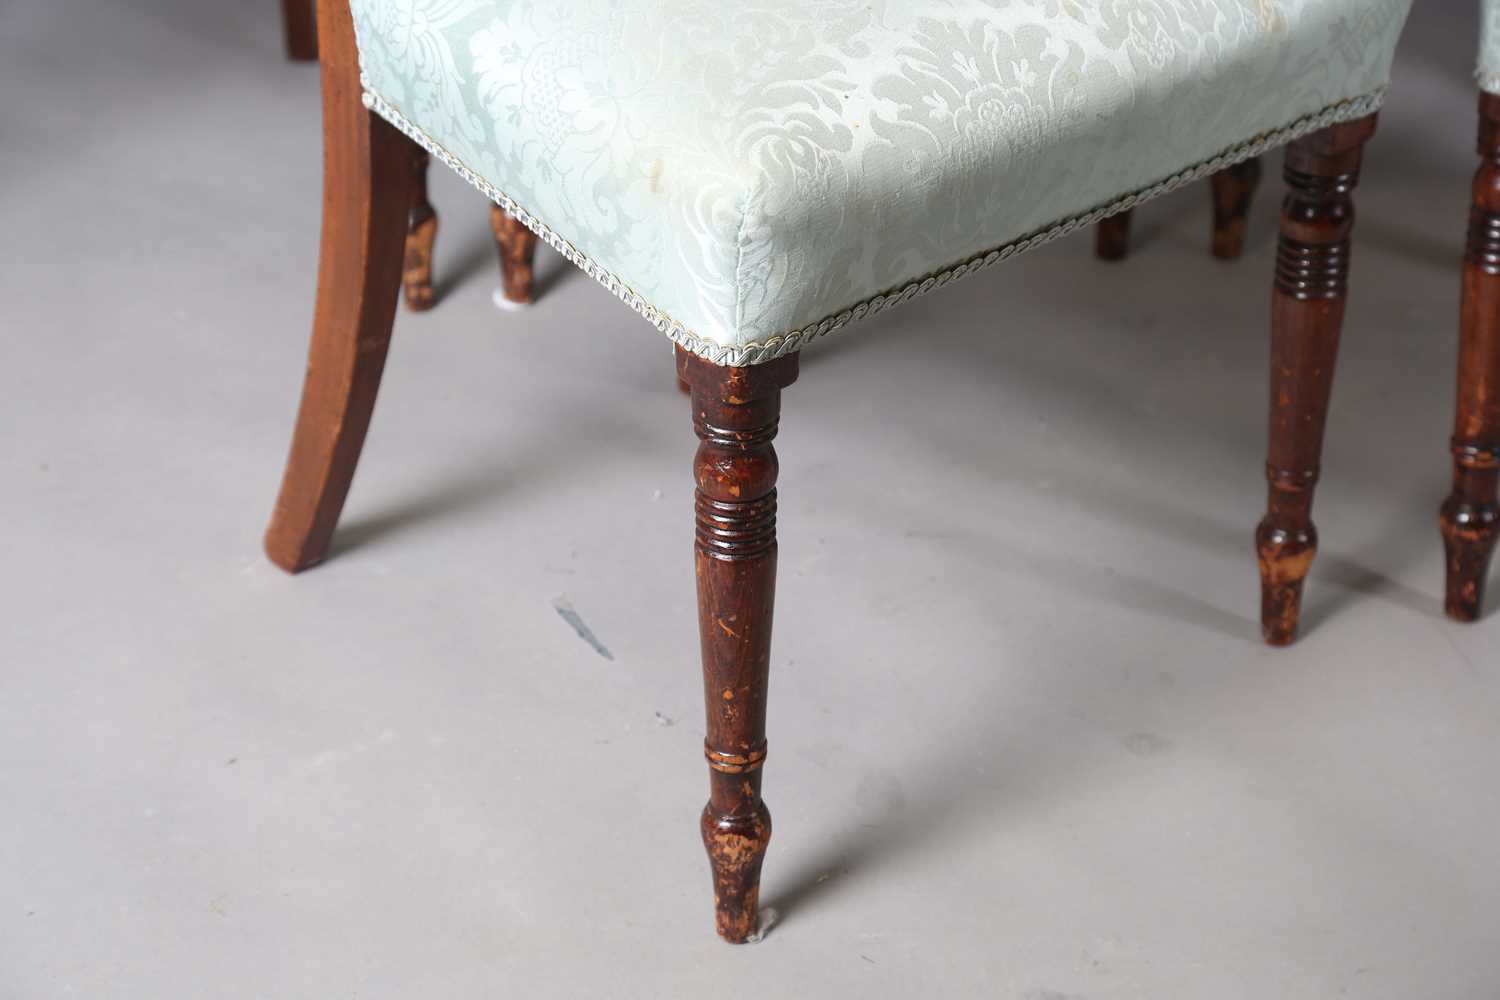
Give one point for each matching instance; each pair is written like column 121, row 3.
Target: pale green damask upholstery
column 1489, row 46
column 752, row 173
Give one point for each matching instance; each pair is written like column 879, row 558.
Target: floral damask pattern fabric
column 751, row 167
column 1489, row 46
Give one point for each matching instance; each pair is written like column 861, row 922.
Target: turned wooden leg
column 366, row 184
column 421, row 236
column 517, row 246
column 734, row 414
column 301, row 30
column 1233, row 189
column 1112, row 236
column 1307, row 310
column 1470, row 516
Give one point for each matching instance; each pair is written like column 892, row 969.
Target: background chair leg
column 1112, row 236
column 366, row 185
column 1307, row 311
column 301, row 30
column 735, row 412
column 421, row 236
column 1470, row 516
column 517, row 246
column 1233, row 190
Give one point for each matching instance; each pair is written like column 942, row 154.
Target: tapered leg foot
column 1470, row 517
column 1112, row 236
column 1233, row 190
column 301, row 29
column 366, row 183
column 736, row 847
column 421, row 238
column 1285, row 549
column 1469, row 533
column 1307, row 311
column 517, row 246
column 735, row 413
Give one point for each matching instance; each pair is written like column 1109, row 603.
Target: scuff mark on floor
column 569, row 614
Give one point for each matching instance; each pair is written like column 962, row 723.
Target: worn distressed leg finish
column 1307, row 311
column 301, row 29
column 421, row 237
column 1112, row 236
column 1233, row 190
column 735, row 411
column 1470, row 516
column 517, row 246
column 366, row 188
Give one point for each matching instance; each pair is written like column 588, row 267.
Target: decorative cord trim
column 771, row 348
column 1489, row 79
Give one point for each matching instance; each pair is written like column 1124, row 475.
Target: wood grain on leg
column 735, row 413
column 301, row 30
column 1470, row 516
column 517, row 246
column 366, row 184
column 1307, row 311
column 421, row 237
column 1233, row 190
column 1112, row 236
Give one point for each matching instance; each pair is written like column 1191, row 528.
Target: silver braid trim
column 774, row 347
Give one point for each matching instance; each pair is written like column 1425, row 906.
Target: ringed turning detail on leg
column 1307, row 311
column 735, row 414
column 1470, row 517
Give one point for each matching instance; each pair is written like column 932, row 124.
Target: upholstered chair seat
column 751, row 175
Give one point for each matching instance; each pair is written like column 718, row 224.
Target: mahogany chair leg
column 1112, row 236
column 1233, row 189
column 1470, row 516
column 366, row 187
column 1307, row 311
column 301, row 30
column 421, row 236
column 735, row 412
column 517, row 246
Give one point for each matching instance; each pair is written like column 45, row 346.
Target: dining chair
column 752, row 177
column 1470, row 517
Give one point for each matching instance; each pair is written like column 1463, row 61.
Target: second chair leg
column 1471, row 515
column 517, row 246
column 1307, row 312
column 301, row 29
column 1233, row 190
column 735, row 413
column 421, row 237
column 366, row 182
column 1112, row 236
